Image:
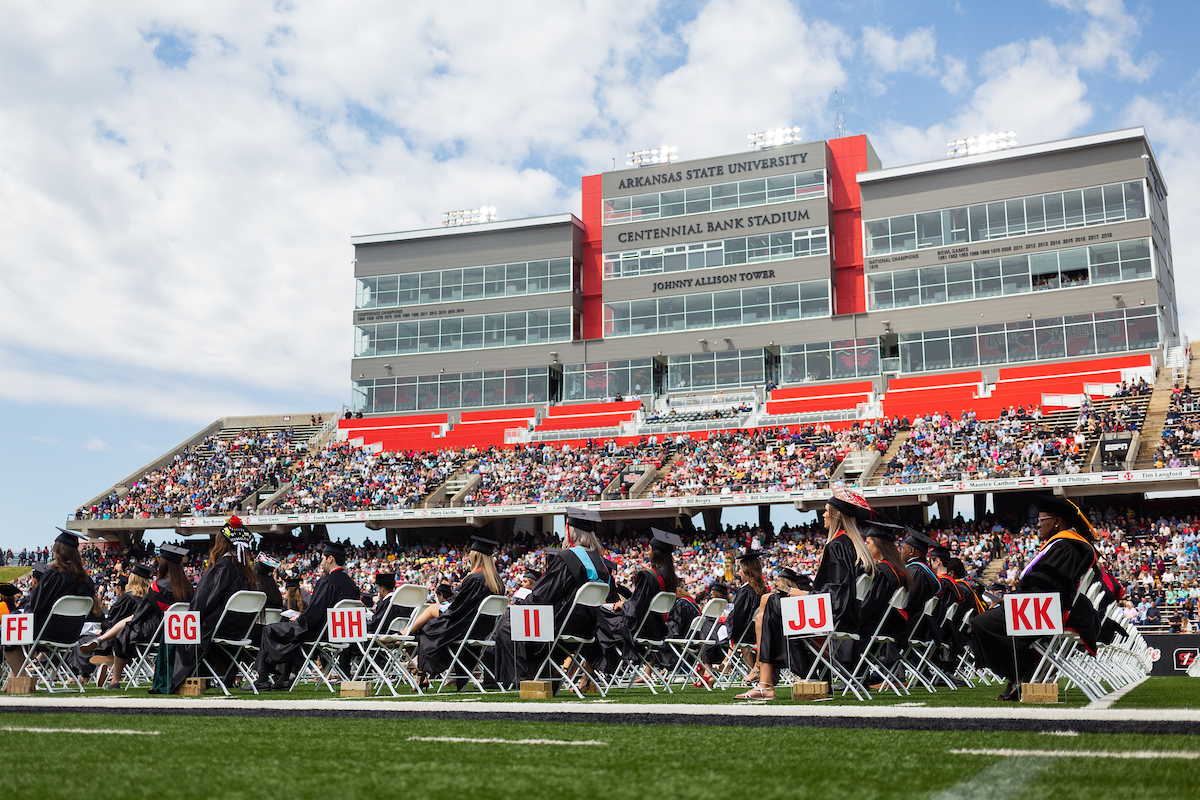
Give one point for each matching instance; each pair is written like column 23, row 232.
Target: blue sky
column 179, row 183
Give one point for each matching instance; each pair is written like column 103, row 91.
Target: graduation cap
column 787, row 573
column 746, row 553
column 532, row 574
column 918, row 540
column 387, row 580
column 334, row 549
column 941, row 553
column 142, row 571
column 122, row 580
column 624, row 592
column 8, row 589
column 172, row 553
column 481, row 544
column 265, row 560
column 850, row 503
column 885, row 531
column 719, row 588
column 664, row 540
column 292, row 582
column 1070, row 513
column 69, row 538
column 445, row 590
column 39, row 568
column 585, row 519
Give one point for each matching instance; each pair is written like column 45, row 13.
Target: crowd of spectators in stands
column 767, row 459
column 1180, row 444
column 210, row 478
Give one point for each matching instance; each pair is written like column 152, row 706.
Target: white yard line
column 1112, row 697
column 78, row 730
column 1126, row 754
column 1004, row 779
column 585, row 742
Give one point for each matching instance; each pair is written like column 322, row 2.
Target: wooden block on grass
column 355, row 688
column 1039, row 692
column 20, row 684
column 193, row 687
column 810, row 690
column 536, row 690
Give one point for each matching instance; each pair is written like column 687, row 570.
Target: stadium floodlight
column 774, row 138
column 469, row 216
column 655, row 155
column 987, row 143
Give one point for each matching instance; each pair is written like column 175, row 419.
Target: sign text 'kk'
column 1033, row 614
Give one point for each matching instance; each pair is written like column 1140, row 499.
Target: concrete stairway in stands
column 991, row 571
column 897, row 442
column 1156, row 412
column 659, row 474
column 442, row 496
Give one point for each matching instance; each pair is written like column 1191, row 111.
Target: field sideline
column 294, row 746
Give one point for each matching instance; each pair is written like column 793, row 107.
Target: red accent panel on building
column 593, row 259
column 846, row 158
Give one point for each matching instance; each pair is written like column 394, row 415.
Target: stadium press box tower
column 798, row 264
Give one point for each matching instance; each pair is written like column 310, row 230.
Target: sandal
column 763, row 691
column 751, row 678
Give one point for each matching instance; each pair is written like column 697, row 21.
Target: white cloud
column 93, row 443
column 916, row 52
column 955, row 78
column 1108, row 37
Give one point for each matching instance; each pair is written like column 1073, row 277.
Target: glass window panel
column 785, row 302
column 878, row 238
column 472, row 389
column 724, row 196
column 431, row 287
column 1035, row 214
column 472, row 284
column 537, row 277
column 905, row 291
column 1072, row 267
column 616, row 209
column 1104, row 262
column 959, row 282
column 1021, row 343
column 1055, row 213
column 929, row 229
column 933, row 284
column 752, row 193
column 954, row 225
column 560, row 275
column 428, row 338
column 904, row 233
column 756, row 306
column 472, row 332
column 451, row 285
column 514, row 275
column 451, row 334
column 704, row 372
column 562, row 321
column 409, row 290
column 977, row 224
column 1073, row 208
column 1080, row 335
column 937, row 354
column 1049, row 337
column 1014, row 271
column 1110, row 331
column 645, row 206
column 781, row 188
column 1114, row 202
column 698, row 201
column 676, row 262
column 1043, row 269
column 514, row 328
column 993, row 344
column 698, row 310
column 643, row 317
column 1093, row 205
column 997, row 226
column 867, row 358
column 493, row 330
column 963, row 351
column 727, row 308
column 912, row 356
column 735, row 251
column 757, row 248
column 493, row 281
column 844, row 361
column 881, row 291
column 752, row 369
column 1135, row 202
column 538, row 327
column 818, row 366
column 671, row 314
column 1135, row 259
column 672, row 204
column 1016, row 217
column 1142, row 332
column 449, row 393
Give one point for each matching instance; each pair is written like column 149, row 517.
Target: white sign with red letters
column 16, row 629
column 807, row 615
column 347, row 625
column 1033, row 614
column 533, row 623
column 182, row 627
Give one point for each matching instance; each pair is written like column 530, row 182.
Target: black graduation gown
column 222, row 581
column 679, row 622
column 836, row 575
column 1057, row 567
column 385, row 614
column 50, row 587
column 740, row 618
column 875, row 604
column 437, row 638
column 951, row 640
column 281, row 641
column 924, row 586
column 146, row 618
column 564, row 575
column 122, row 607
column 624, row 625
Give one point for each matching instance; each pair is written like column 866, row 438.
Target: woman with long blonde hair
column 438, row 632
column 843, row 560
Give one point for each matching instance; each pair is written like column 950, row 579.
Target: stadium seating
column 819, row 397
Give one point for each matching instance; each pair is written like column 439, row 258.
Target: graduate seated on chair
column 282, row 641
column 440, row 629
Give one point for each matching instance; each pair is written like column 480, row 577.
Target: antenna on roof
column 839, row 114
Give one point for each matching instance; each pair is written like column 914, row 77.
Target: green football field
column 118, row 756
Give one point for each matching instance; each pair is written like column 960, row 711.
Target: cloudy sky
column 179, row 181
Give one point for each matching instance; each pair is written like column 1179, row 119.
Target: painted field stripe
column 504, row 741
column 78, row 730
column 1128, row 754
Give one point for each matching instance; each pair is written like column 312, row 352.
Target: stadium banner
column 346, row 625
column 533, row 623
column 16, row 629
column 807, row 615
column 182, row 627
column 1033, row 614
column 1037, row 483
column 1172, row 653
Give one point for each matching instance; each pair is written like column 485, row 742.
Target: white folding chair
column 232, row 630
column 386, row 652
column 823, row 649
column 270, row 616
column 141, row 667
column 58, row 635
column 589, row 595
column 871, row 659
column 643, row 648
column 1064, row 654
column 923, row 650
column 473, row 645
column 320, row 647
column 687, row 650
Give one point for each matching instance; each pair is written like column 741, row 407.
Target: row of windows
column 715, row 370
column 608, row 378
column 1077, row 208
column 717, row 309
column 1030, row 340
column 715, row 197
column 722, row 253
column 823, row 361
column 469, row 283
column 1057, row 269
column 453, row 390
column 463, row 333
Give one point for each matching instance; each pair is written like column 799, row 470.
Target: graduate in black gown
column 660, row 577
column 951, row 641
column 231, row 572
column 439, row 632
column 925, row 584
column 282, row 641
column 63, row 577
column 1067, row 553
column 890, row 575
column 383, row 613
column 740, row 618
column 566, row 570
column 843, row 559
